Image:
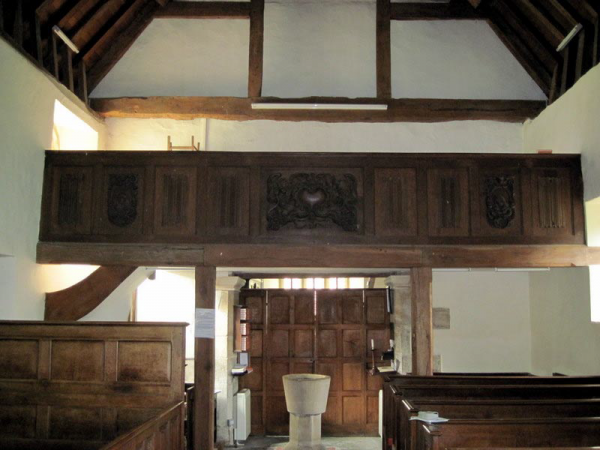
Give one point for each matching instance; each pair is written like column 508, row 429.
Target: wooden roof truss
column 103, row 30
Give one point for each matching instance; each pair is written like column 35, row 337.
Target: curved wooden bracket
column 80, row 299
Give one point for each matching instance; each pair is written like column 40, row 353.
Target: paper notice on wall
column 205, row 323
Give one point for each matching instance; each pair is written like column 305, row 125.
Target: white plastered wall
column 564, row 339
column 26, row 120
column 490, row 328
column 316, row 48
column 570, row 125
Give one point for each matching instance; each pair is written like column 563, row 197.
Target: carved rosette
column 122, row 202
column 500, row 201
column 311, row 200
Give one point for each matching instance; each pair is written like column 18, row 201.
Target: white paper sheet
column 205, row 323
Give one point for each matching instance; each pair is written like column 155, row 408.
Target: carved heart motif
column 313, row 198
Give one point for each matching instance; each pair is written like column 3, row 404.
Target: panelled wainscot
column 311, row 198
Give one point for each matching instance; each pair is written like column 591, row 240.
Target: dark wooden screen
column 316, row 331
column 275, row 198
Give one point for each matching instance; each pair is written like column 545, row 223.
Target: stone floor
column 338, row 443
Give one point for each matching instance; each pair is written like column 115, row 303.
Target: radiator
column 242, row 414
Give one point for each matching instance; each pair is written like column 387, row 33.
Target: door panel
column 317, row 331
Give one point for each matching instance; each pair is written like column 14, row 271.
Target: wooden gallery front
column 403, row 212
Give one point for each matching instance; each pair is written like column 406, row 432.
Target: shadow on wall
column 8, row 276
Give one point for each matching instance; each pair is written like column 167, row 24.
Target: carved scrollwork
column 310, row 200
column 122, row 202
column 500, row 201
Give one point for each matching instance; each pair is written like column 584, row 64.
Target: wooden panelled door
column 316, row 331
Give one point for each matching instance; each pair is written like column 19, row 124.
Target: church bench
column 392, row 430
column 410, row 380
column 510, row 433
column 491, row 409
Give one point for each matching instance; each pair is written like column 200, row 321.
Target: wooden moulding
column 240, row 109
column 339, row 256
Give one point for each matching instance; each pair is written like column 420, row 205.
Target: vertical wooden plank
column 596, row 49
column 257, row 26
column 38, row 40
column 1, row 15
column 18, row 23
column 383, row 50
column 554, row 86
column 67, row 63
column 422, row 321
column 55, row 63
column 83, row 90
column 204, row 364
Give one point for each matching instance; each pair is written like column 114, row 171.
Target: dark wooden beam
column 453, row 10
column 519, row 49
column 1, row 15
column 240, row 109
column 82, row 89
column 18, row 23
column 542, row 23
column 82, row 298
column 205, row 10
column 120, row 45
column 383, row 50
column 422, row 320
column 67, row 68
column 204, row 364
column 257, row 32
column 320, row 274
column 333, row 256
column 94, row 48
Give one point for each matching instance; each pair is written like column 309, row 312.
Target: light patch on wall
column 169, row 298
column 70, row 132
column 56, row 277
column 592, row 219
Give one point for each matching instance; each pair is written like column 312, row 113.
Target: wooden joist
column 335, row 256
column 453, row 10
column 120, row 44
column 257, row 32
column 82, row 298
column 383, row 52
column 240, row 109
column 205, row 10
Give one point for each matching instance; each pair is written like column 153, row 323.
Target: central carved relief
column 310, row 200
column 122, row 199
column 500, row 201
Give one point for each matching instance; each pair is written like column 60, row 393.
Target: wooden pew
column 491, row 409
column 404, row 380
column 394, row 431
column 510, row 433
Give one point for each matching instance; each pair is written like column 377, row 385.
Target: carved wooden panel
column 396, row 202
column 66, row 382
column 18, row 359
column 303, row 344
column 229, row 200
column 175, row 200
column 312, row 201
column 376, row 307
column 551, row 202
column 71, row 200
column 497, row 209
column 121, row 205
column 17, row 421
column 75, row 423
column 77, row 361
column 144, row 362
column 448, row 202
column 327, row 344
